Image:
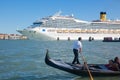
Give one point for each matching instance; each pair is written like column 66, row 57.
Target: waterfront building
column 12, row 37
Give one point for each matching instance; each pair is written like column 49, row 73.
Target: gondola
column 95, row 69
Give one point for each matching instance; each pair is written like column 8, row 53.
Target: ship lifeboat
column 59, row 31
column 77, row 31
column 71, row 31
column 65, row 31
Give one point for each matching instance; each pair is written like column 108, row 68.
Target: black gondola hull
column 78, row 70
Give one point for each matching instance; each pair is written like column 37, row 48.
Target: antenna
column 58, row 13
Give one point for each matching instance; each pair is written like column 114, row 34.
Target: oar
column 91, row 78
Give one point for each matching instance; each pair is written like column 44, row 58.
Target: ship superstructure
column 58, row 27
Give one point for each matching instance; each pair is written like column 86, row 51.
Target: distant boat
column 59, row 27
column 110, row 39
column 95, row 69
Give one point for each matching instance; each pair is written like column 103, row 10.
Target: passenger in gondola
column 111, row 65
column 117, row 63
column 114, row 65
column 117, row 60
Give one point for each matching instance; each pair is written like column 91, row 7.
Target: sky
column 19, row 14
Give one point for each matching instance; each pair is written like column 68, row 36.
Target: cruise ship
column 67, row 27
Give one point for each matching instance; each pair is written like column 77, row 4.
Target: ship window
column 37, row 23
column 43, row 30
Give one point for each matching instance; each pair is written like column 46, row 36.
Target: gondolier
column 77, row 48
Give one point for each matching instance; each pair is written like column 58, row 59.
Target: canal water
column 24, row 59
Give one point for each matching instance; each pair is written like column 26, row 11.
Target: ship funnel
column 103, row 16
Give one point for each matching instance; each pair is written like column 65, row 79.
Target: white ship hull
column 64, row 34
